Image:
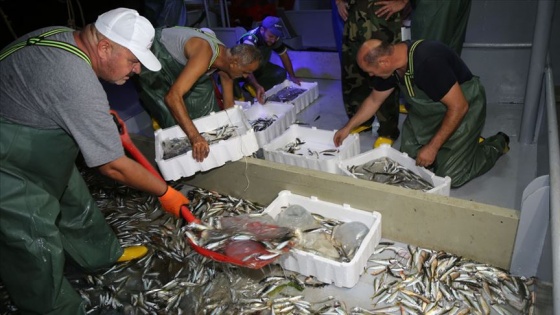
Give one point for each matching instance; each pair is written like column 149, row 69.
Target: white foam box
column 341, row 274
column 285, row 114
column 304, row 99
column 244, row 105
column 316, row 140
column 441, row 185
column 232, row 149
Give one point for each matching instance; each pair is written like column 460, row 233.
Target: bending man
column 184, row 89
column 447, row 112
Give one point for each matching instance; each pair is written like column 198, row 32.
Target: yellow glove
column 172, row 201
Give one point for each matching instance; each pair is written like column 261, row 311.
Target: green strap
column 41, row 40
column 215, row 45
column 409, row 74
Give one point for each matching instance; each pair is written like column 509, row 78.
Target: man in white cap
column 268, row 38
column 53, row 106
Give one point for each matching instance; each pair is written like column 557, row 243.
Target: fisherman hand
column 389, row 7
column 295, row 80
column 340, row 135
column 172, row 201
column 426, row 156
column 342, row 7
column 200, row 148
column 261, row 93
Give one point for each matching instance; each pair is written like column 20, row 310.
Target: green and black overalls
column 461, row 157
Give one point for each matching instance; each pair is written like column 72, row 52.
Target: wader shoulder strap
column 41, row 40
column 409, row 74
column 214, row 56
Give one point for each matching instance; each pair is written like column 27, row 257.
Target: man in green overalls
column 52, row 106
column 183, row 90
column 447, row 107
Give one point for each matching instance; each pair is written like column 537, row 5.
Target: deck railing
column 554, row 161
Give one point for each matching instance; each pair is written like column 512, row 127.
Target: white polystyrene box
column 441, row 185
column 341, row 274
column 285, row 115
column 243, row 105
column 316, row 140
column 304, row 99
column 232, row 149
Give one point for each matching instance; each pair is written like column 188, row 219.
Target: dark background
column 24, row 16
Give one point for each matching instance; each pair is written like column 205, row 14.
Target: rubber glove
column 172, row 201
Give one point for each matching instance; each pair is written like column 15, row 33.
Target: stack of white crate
column 243, row 143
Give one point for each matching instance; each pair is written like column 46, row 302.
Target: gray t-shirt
column 51, row 88
column 175, row 38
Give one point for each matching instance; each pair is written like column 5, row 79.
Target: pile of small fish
column 178, row 146
column 262, row 123
column 293, row 147
column 174, row 279
column 229, row 234
column 423, row 281
column 286, row 94
column 387, row 171
column 319, row 154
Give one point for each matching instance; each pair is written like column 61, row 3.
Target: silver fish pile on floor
column 387, row 171
column 178, row 146
column 173, row 279
column 286, row 94
column 422, row 281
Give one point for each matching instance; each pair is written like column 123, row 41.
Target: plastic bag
column 297, row 217
column 350, row 236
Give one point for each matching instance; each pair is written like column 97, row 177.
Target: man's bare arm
column 287, row 62
column 457, row 108
column 128, row 172
column 199, row 54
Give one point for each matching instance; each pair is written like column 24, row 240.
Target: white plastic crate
column 232, row 149
column 441, row 185
column 316, row 141
column 341, row 274
column 304, row 99
column 285, row 115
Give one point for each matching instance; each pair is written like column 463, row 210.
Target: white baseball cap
column 128, row 28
